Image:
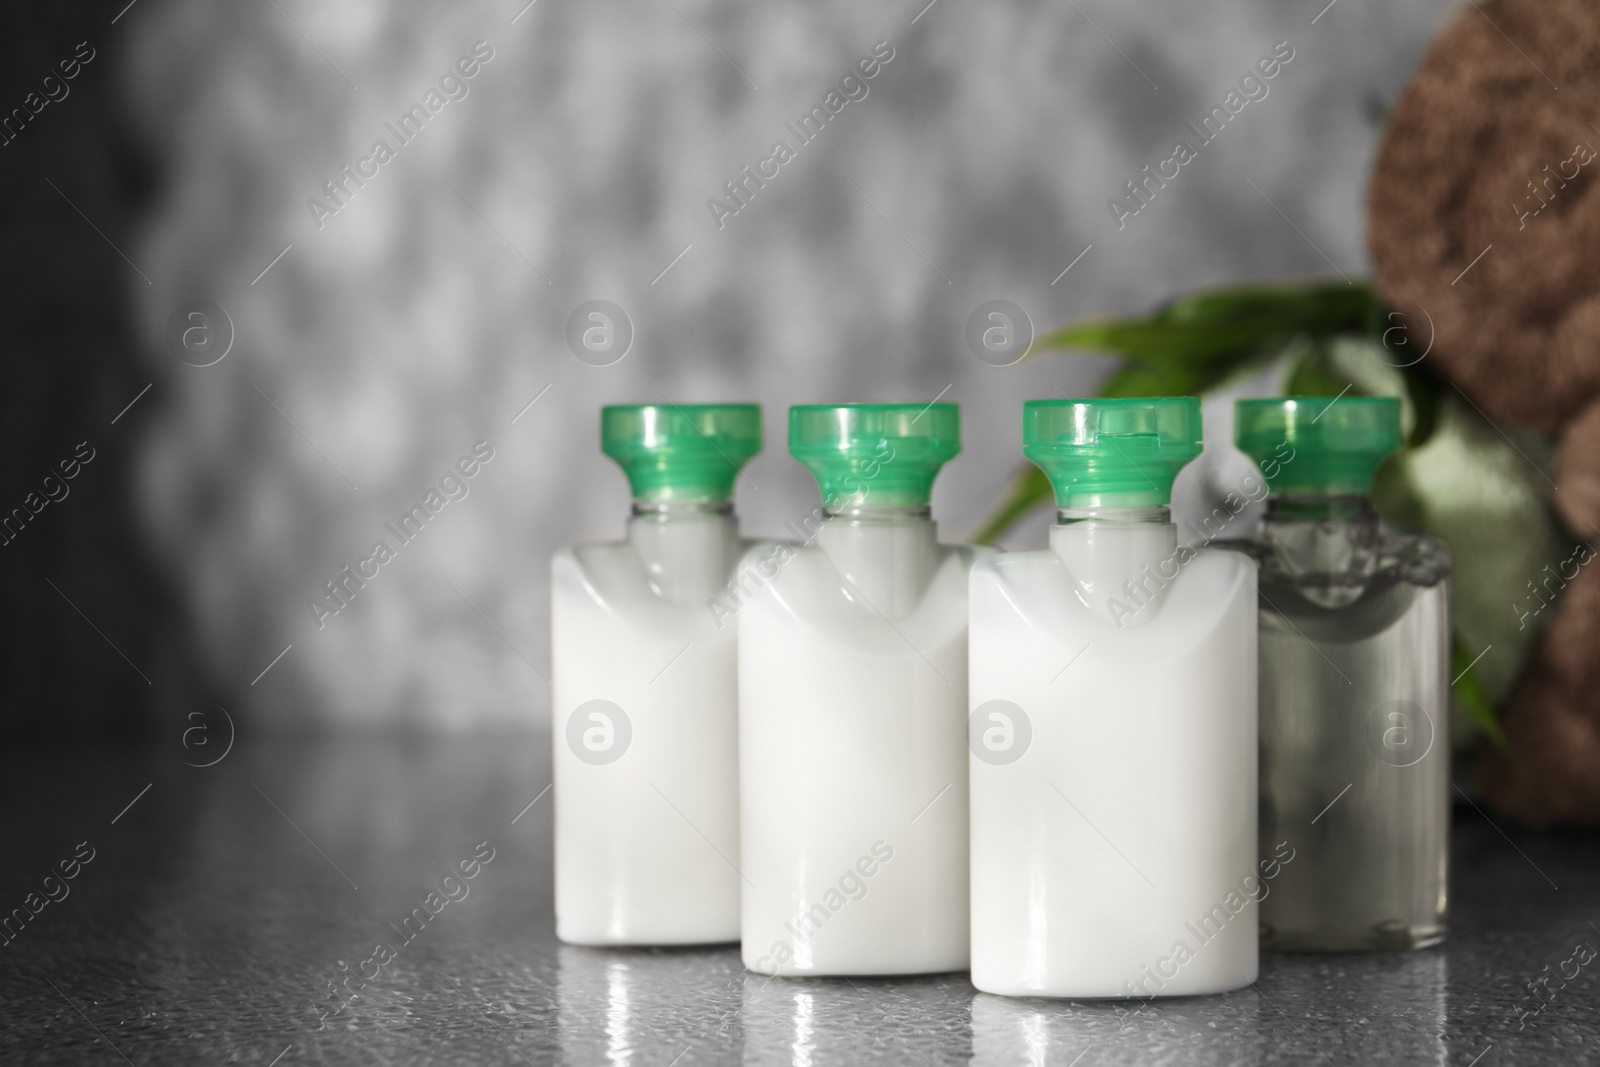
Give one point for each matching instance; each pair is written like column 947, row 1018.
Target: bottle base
column 862, row 970
column 682, row 940
column 1108, row 992
column 1390, row 935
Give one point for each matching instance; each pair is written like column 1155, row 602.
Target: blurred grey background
column 373, row 345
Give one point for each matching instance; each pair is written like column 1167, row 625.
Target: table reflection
column 809, row 1022
column 1400, row 1003
column 645, row 1007
column 1395, row 1002
column 1038, row 1032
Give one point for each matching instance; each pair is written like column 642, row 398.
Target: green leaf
column 1135, row 379
column 1226, row 326
column 1196, row 343
column 1470, row 697
column 1340, row 305
column 1424, row 389
column 1310, row 375
column 1028, row 489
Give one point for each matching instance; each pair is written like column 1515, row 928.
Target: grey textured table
column 212, row 919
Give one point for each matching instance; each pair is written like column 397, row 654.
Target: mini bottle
column 852, row 709
column 1355, row 642
column 643, row 680
column 1113, row 727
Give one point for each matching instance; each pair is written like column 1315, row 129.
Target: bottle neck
column 680, row 511
column 878, row 516
column 1152, row 516
column 1120, row 560
column 885, row 556
column 1346, row 507
column 687, row 549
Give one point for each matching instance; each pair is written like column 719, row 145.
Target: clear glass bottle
column 644, row 685
column 1113, row 728
column 852, row 709
column 1355, row 686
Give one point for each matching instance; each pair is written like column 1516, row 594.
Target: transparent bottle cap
column 1318, row 445
column 1112, row 452
column 687, row 453
column 874, row 455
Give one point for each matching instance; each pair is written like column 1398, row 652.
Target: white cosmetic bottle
column 852, row 710
column 644, row 720
column 1113, row 728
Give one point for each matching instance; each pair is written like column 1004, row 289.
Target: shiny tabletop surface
column 220, row 907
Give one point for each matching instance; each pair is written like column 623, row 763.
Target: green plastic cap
column 874, row 455
column 1318, row 445
column 688, row 453
column 1112, row 453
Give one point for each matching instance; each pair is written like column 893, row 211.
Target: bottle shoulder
column 760, row 551
column 615, row 579
column 786, row 583
column 760, row 548
column 1198, row 591
column 1016, row 565
column 1344, row 551
column 579, row 551
column 1421, row 559
column 595, row 564
column 588, row 554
